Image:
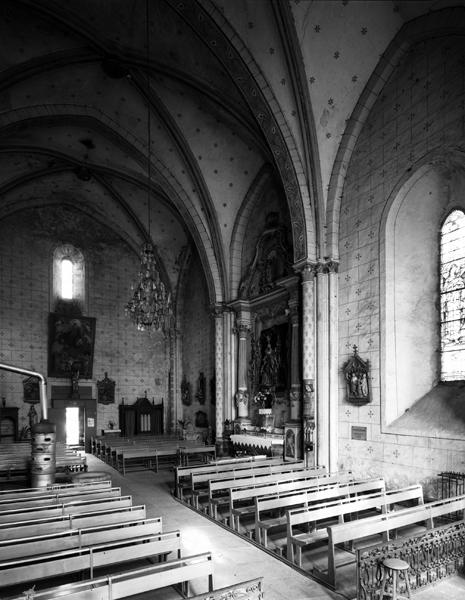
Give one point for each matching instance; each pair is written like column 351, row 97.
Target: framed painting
column 70, row 346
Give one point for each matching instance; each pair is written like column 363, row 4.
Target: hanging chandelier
column 150, row 305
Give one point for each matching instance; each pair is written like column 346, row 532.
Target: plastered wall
column 418, row 118
column 134, row 360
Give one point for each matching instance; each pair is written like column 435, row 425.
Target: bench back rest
column 132, row 582
column 260, row 479
column 220, row 467
column 346, row 506
column 250, row 470
column 395, row 519
column 57, row 497
column 70, row 487
column 21, row 529
column 245, row 590
column 75, row 538
column 309, row 494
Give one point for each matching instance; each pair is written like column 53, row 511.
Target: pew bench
column 358, row 534
column 182, row 474
column 218, row 490
column 21, row 529
column 53, row 487
column 88, row 558
column 76, row 538
column 315, row 519
column 65, row 508
column 58, row 497
column 179, row 573
column 264, row 505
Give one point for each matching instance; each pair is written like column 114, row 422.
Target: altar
column 253, row 443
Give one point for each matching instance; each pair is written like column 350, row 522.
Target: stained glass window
column 452, row 290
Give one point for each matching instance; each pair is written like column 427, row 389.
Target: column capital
column 217, row 310
column 306, row 270
column 242, row 328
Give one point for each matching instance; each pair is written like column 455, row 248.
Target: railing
column 432, row 556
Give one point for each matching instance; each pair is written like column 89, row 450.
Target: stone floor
column 235, row 559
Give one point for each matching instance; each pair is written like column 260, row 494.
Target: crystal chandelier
column 150, row 305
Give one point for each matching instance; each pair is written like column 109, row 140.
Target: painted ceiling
column 80, row 84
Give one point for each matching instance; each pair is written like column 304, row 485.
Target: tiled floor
column 234, row 558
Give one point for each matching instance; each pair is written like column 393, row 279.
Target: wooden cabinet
column 142, row 417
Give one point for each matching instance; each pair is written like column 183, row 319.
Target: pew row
column 182, row 474
column 338, row 511
column 88, row 558
column 245, row 590
column 60, row 496
column 21, row 529
column 398, row 523
column 77, row 538
column 245, row 486
column 280, row 502
column 57, row 510
column 54, row 487
column 178, row 572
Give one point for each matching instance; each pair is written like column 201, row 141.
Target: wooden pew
column 59, row 497
column 65, row 508
column 242, row 499
column 200, row 482
column 285, row 501
column 182, row 474
column 21, row 529
column 338, row 511
column 245, row 590
column 361, row 532
column 87, row 558
column 76, row 538
column 251, row 481
column 43, row 491
column 177, row 572
column 204, row 452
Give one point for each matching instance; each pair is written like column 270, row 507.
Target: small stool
column 394, row 565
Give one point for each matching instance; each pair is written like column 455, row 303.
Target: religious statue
column 200, row 395
column 186, row 392
column 356, row 376
column 269, row 365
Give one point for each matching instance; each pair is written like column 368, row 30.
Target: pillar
column 322, row 409
column 242, row 392
column 308, row 362
column 219, row 412
column 295, row 394
column 333, row 366
column 229, row 364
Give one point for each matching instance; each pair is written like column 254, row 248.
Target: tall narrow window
column 453, row 297
column 66, row 279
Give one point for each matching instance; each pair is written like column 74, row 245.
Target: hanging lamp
column 150, row 305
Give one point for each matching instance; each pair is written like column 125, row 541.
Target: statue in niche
column 186, row 392
column 200, row 395
column 356, row 376
column 269, row 365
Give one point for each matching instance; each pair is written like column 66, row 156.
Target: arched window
column 69, row 282
column 66, row 279
column 452, row 291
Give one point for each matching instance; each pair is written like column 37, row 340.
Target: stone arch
column 224, row 42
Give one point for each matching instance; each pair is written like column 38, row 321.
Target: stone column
column 308, row 362
column 174, row 393
column 242, row 393
column 295, row 399
column 322, row 365
column 219, row 335
column 229, row 365
column 333, row 366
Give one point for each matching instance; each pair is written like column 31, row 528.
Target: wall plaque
column 359, row 433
